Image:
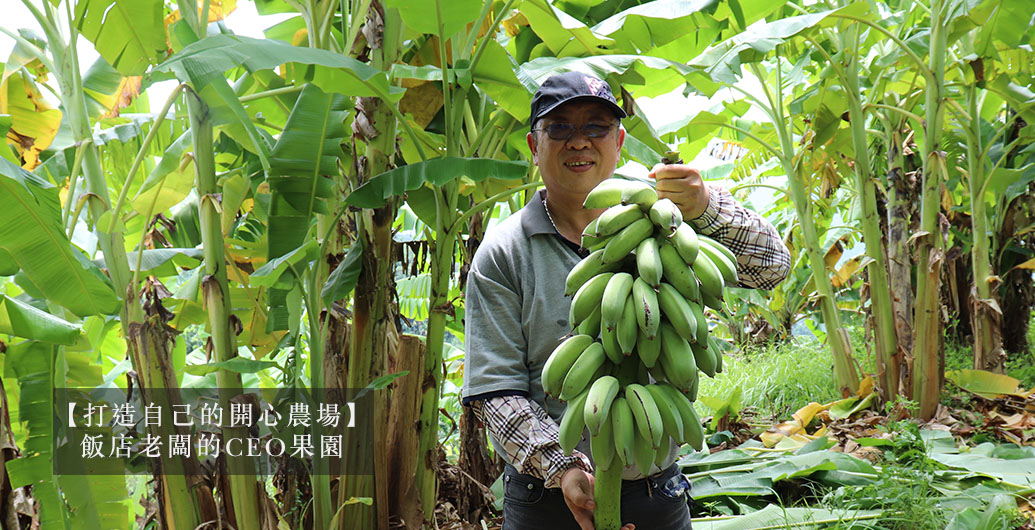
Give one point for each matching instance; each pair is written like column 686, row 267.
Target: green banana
column 648, row 312
column 602, row 446
column 670, row 421
column 712, row 301
column 590, row 240
column 588, row 298
column 591, row 324
column 661, row 453
column 687, row 243
column 624, row 430
column 678, row 312
column 616, row 218
column 612, row 301
column 666, row 216
column 648, row 349
column 676, row 357
column 704, row 358
column 727, row 268
column 572, row 423
column 677, row 272
column 645, row 411
column 606, row 194
column 560, row 361
column 622, row 243
column 602, row 392
column 626, row 329
column 609, row 341
column 585, row 270
column 582, row 371
column 702, row 322
column 711, row 279
column 643, row 454
column 720, row 247
column 612, row 192
column 644, row 197
column 713, row 347
column 648, row 262
column 695, row 384
column 693, row 434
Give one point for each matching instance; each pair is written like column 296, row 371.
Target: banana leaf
column 129, row 34
column 31, row 232
column 438, row 171
column 23, row 320
column 303, row 164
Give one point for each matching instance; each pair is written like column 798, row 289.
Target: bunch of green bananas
column 630, row 370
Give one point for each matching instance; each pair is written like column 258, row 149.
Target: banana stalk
column 985, row 315
column 931, row 247
column 607, row 491
column 844, row 363
column 243, row 486
column 877, row 271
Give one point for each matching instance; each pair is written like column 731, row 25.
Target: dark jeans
column 659, row 502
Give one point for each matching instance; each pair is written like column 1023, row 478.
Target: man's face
column 579, row 163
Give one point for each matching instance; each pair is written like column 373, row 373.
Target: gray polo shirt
column 516, row 312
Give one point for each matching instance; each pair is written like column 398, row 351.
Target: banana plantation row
column 266, row 226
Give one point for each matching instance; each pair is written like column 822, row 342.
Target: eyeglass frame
column 572, row 128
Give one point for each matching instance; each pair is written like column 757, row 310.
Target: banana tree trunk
column 847, row 378
column 243, row 486
column 900, row 263
column 931, row 247
column 877, row 271
column 985, row 313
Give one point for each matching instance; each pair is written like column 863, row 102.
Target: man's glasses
column 564, row 131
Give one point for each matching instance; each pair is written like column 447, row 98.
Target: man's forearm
column 763, row 261
column 529, row 437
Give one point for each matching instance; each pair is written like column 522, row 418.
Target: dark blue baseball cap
column 569, row 86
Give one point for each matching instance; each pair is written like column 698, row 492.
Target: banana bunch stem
column 607, row 494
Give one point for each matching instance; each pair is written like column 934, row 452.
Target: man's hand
column 577, row 487
column 682, row 184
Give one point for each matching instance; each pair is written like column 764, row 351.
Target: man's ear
column 533, row 147
column 621, row 137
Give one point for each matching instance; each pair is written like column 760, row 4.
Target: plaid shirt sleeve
column 763, row 260
column 529, row 437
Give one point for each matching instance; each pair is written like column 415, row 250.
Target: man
column 516, row 312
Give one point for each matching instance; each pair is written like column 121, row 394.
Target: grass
column 778, row 378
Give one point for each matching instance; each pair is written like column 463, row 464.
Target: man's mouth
column 579, row 163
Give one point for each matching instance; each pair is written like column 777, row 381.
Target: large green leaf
column 23, row 320
column 30, row 231
column 129, row 34
column 32, row 363
column 720, row 64
column 495, row 75
column 642, row 28
column 343, row 280
column 425, row 16
column 654, row 75
column 438, row 171
column 562, row 33
column 303, row 165
column 780, row 517
column 330, row 71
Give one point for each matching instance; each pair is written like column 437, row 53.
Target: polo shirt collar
column 535, row 220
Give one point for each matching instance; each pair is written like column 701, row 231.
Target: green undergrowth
column 774, row 379
column 1018, row 365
